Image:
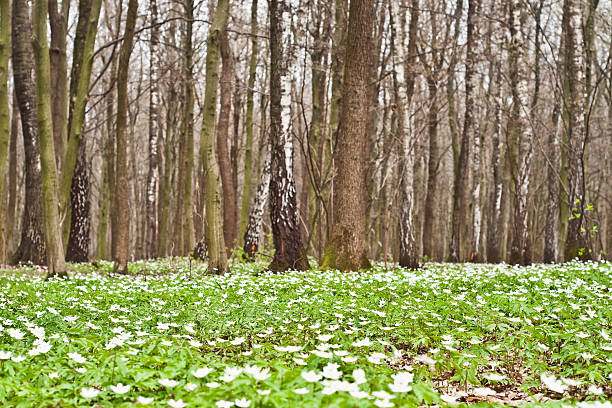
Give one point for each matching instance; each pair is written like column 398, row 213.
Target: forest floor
column 169, row 335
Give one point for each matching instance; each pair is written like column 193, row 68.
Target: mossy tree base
column 342, row 257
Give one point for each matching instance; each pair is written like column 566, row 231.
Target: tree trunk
column 227, row 183
column 121, row 173
column 346, row 250
column 5, row 52
column 253, row 230
column 404, row 59
column 11, row 216
column 58, row 22
column 153, row 172
column 217, row 257
column 460, row 199
column 248, row 148
column 78, row 242
column 519, row 145
column 432, row 170
column 51, row 223
column 576, row 243
column 32, row 245
column 289, row 250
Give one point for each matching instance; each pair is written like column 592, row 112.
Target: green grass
column 476, row 334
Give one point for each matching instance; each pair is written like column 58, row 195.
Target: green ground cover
column 172, row 336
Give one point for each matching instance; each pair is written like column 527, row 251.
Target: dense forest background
column 395, row 130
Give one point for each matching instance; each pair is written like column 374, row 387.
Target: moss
column 337, row 257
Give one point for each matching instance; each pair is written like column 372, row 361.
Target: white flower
column 349, row 359
column 311, row 376
column 195, row 343
column 191, row 386
column 201, row 372
column 53, row 375
column 552, row 383
column 359, row 376
column 299, row 361
column 212, row 384
column 376, row 358
column 231, row 373
column 257, row 372
column 120, row 388
column 77, row 357
column 176, row 404
column 595, row 390
column 89, row 393
column 144, row 400
column 484, row 391
column 224, row 404
column 359, row 394
column 243, row 403
column 395, row 387
column 384, row 395
column 263, row 392
column 331, row 371
column 325, row 337
column 384, row 403
column 403, row 378
column 18, row 359
column 166, row 382
column 42, row 348
column 449, row 399
column 5, row 355
column 494, row 377
column 363, row 343
column 80, row 370
column 237, row 341
column 15, row 333
column 301, row 391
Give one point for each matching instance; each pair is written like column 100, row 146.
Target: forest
column 312, row 203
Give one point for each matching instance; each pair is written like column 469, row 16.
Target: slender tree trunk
column 165, row 186
column 11, row 216
column 58, row 21
column 32, row 244
column 432, row 169
column 248, row 148
column 551, row 239
column 227, row 183
column 289, row 250
column 346, row 249
column 53, row 238
column 5, row 52
column 121, row 174
column 153, row 172
column 404, row 52
column 460, row 199
column 217, row 257
column 253, row 230
column 519, row 145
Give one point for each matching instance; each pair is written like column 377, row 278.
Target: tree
column 576, row 244
column 223, row 125
column 217, row 257
column 346, row 248
column 53, row 238
column 121, row 198
column 253, row 230
column 32, row 243
column 404, row 51
column 5, row 38
column 153, row 172
column 520, row 136
column 289, row 251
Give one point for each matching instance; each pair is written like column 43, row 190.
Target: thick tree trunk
column 346, row 250
column 576, row 243
column 78, row 242
column 121, row 173
column 51, row 222
column 223, row 125
column 153, row 172
column 289, row 250
column 32, row 244
column 217, row 257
